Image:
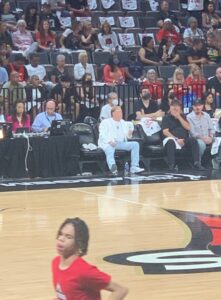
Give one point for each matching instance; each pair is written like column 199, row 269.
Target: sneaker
column 113, row 169
column 134, row 170
column 215, row 164
column 198, row 167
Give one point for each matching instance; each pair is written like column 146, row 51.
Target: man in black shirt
column 78, row 7
column 47, row 14
column 176, row 128
column 214, row 86
column 197, row 53
column 145, row 107
column 165, row 13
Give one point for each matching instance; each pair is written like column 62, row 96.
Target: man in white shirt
column 113, row 135
column 112, row 100
column 34, row 68
column 83, row 67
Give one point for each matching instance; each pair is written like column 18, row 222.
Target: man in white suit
column 113, row 135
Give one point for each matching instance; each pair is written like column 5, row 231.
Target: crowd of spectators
column 189, row 37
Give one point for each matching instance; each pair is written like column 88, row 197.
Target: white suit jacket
column 107, row 132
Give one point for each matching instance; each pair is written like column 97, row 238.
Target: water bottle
column 126, row 169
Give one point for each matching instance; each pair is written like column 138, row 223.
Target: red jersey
column 80, row 281
column 164, row 34
column 197, row 86
column 155, row 88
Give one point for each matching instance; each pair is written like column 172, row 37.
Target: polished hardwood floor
column 121, row 219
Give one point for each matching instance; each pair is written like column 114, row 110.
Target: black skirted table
column 53, row 156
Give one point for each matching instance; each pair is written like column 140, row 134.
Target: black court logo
column 202, row 254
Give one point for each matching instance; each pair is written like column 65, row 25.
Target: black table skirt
column 54, row 156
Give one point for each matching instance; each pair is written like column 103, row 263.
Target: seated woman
column 71, row 38
column 192, row 32
column 59, row 70
column 168, row 52
column 45, row 37
column 154, row 85
column 208, row 14
column 31, row 17
column 19, row 118
column 83, row 67
column 147, row 54
column 113, row 73
column 108, row 38
column 89, row 105
column 23, row 40
column 7, row 16
column 177, row 84
column 66, row 97
column 209, row 105
column 89, row 40
column 195, row 81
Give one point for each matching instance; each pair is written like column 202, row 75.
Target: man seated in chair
column 113, row 135
column 43, row 121
column 176, row 132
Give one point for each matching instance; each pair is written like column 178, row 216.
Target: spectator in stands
column 3, row 76
column 7, row 15
column 71, row 38
column 34, row 67
column 45, row 37
column 196, row 81
column 36, row 94
column 59, row 70
column 42, row 122
column 89, row 105
column 47, row 15
column 5, row 36
column 18, row 66
column 31, row 17
column 192, row 33
column 89, row 39
column 208, row 101
column 213, row 49
column 214, row 86
column 168, row 30
column 167, row 52
column 113, row 135
column 154, row 85
column 146, row 107
column 196, row 54
column 66, row 97
column 195, row 8
column 108, row 38
column 19, row 118
column 201, row 127
column 208, row 14
column 177, row 84
column 176, row 132
column 113, row 73
column 134, row 69
column 215, row 29
column 112, row 100
column 169, row 96
column 11, row 92
column 147, row 53
column 165, row 13
column 83, row 67
column 23, row 40
column 5, row 52
column 78, row 7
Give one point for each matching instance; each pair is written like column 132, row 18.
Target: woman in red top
column 113, row 73
column 19, row 118
column 168, row 31
column 195, row 81
column 154, row 85
column 178, row 85
column 73, row 277
column 45, row 37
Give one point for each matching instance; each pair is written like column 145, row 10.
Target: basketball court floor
column 161, row 240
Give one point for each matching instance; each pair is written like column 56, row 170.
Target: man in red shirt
column 73, row 277
column 168, row 31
